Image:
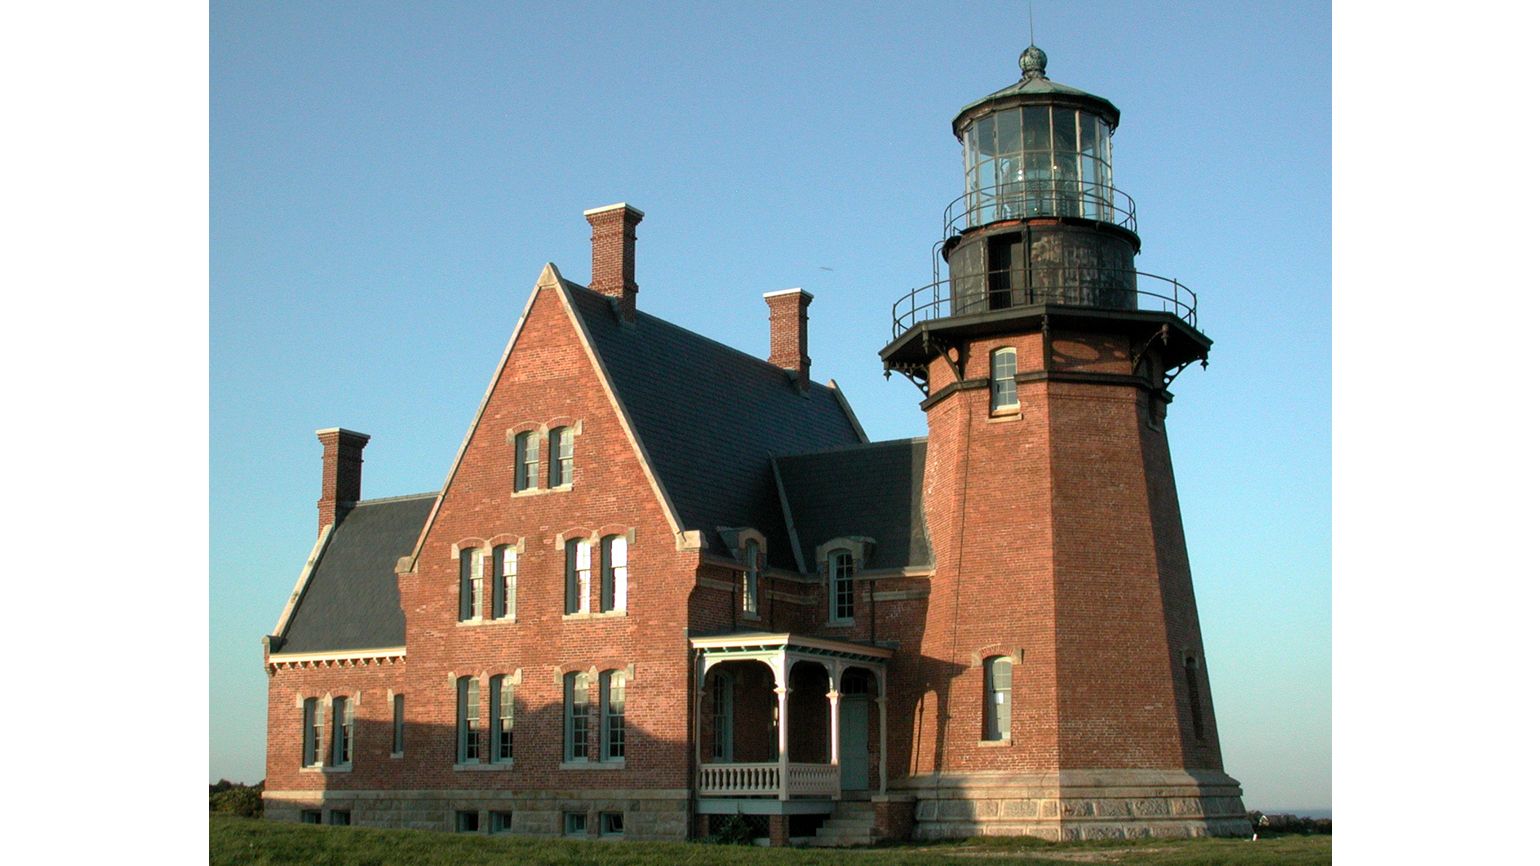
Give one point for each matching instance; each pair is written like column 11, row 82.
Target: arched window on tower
column 1193, row 703
column 1002, row 380
column 997, row 698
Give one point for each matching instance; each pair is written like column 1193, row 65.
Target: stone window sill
column 1005, row 413
column 502, row 620
column 337, row 768
column 594, row 765
column 480, row 767
column 606, row 614
column 994, row 744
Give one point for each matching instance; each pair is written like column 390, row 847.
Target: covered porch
column 786, row 723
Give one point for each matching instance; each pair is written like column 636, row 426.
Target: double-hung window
column 613, row 574
column 526, row 461
column 842, row 586
column 612, row 729
column 575, row 704
column 502, row 718
column 751, row 577
column 342, row 732
column 314, row 731
column 579, row 574
column 722, row 716
column 468, row 729
column 471, row 568
column 561, row 456
column 997, row 698
column 1002, row 380
column 505, row 582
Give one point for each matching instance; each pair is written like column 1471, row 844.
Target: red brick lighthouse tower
column 1062, row 690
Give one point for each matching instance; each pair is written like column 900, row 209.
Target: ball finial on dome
column 1034, row 62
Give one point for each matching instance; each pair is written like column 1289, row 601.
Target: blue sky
column 386, row 181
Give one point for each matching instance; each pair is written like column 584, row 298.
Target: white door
column 853, row 759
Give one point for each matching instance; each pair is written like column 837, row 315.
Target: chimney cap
column 344, row 431
column 620, row 205
column 776, row 294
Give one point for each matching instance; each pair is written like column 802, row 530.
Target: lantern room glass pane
column 1034, row 128
column 1065, row 125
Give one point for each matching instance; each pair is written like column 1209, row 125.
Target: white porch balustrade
column 765, row 780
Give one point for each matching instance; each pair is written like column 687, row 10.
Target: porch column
column 834, row 736
column 882, row 733
column 782, row 693
column 700, row 693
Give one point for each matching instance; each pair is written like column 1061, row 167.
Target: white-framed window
column 1002, row 379
column 398, row 725
column 472, row 566
column 613, row 573
column 314, row 732
column 612, row 727
column 342, row 732
column 752, row 562
column 562, row 439
column 468, row 720
column 526, row 461
column 575, row 704
column 501, row 715
column 997, row 698
column 842, row 586
column 579, row 574
column 505, row 582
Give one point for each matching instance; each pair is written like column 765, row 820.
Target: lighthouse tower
column 1063, row 690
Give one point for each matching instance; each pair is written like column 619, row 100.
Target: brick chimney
column 342, row 470
column 788, row 332
column 614, row 272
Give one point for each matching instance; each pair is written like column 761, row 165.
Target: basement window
column 310, row 816
column 340, row 817
column 574, row 823
column 468, row 821
column 612, row 823
column 501, row 822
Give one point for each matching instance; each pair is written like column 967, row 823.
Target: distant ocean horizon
column 1303, row 813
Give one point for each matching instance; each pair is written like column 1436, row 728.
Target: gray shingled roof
column 352, row 601
column 711, row 418
column 873, row 491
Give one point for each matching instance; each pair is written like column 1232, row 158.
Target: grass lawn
column 241, row 841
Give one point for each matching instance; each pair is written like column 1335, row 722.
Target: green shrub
column 734, row 830
column 242, row 800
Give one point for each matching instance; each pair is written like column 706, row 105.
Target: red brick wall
column 371, row 684
column 550, row 381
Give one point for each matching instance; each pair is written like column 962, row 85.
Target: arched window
column 468, row 749
column 561, row 456
column 505, row 582
column 470, row 584
column 501, row 715
column 612, row 727
column 1193, row 702
column 526, row 461
column 751, row 577
column 575, row 704
column 579, row 574
column 613, row 574
column 342, row 732
column 1002, row 379
column 313, row 730
column 997, row 698
column 842, row 586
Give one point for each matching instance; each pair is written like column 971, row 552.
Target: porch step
column 852, row 823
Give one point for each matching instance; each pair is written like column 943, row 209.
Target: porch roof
column 759, row 642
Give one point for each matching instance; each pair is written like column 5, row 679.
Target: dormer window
column 842, row 586
column 751, row 566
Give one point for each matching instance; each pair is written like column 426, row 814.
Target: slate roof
column 874, row 490
column 710, row 418
column 352, row 601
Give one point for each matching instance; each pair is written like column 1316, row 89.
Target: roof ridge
column 677, row 327
column 401, row 498
column 854, row 446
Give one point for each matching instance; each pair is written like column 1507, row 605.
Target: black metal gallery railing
column 1036, row 198
column 1083, row 286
